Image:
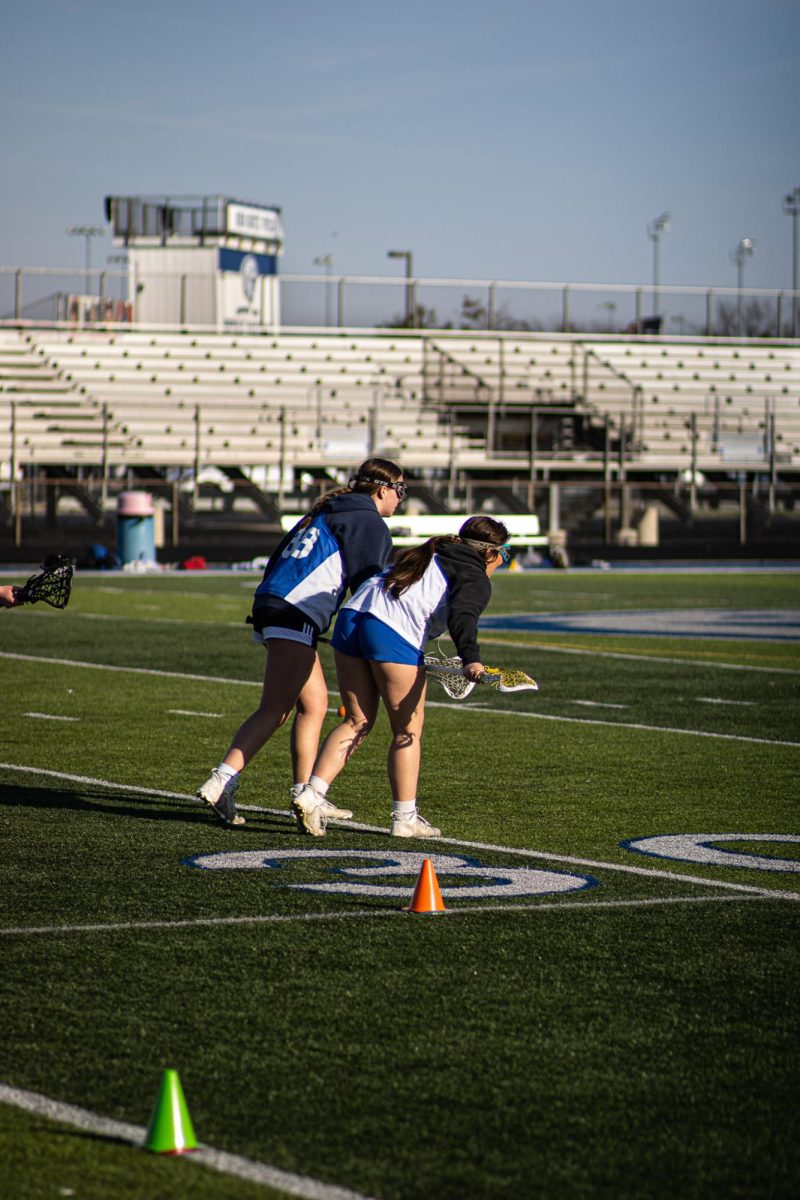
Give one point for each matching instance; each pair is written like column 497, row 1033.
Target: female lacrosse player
column 341, row 542
column 379, row 642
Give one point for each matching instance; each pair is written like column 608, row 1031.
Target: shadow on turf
column 161, row 809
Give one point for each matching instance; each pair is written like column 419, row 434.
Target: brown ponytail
column 482, row 533
column 373, row 474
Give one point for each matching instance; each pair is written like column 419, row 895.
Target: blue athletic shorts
column 361, row 635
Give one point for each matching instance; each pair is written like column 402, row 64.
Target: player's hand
column 473, row 671
column 8, row 596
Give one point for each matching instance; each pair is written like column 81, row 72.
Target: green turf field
column 585, row 1019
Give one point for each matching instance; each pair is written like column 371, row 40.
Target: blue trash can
column 135, row 527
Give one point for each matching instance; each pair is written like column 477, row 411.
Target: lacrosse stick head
column 504, row 679
column 447, row 672
column 52, row 584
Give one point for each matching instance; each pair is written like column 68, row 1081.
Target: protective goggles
column 504, row 551
column 401, row 488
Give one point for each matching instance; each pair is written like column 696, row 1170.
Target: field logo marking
column 701, row 848
column 500, row 881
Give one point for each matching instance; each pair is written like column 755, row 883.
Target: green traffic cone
column 170, row 1130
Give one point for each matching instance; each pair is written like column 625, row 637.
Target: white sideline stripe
column 735, row 737
column 656, row 658
column 49, row 716
column 89, row 666
column 532, row 716
column 204, row 1156
column 188, row 712
column 719, row 700
column 361, row 914
column 597, row 704
column 570, row 860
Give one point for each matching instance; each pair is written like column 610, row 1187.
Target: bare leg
column 287, row 671
column 402, row 689
column 312, row 708
column 360, row 695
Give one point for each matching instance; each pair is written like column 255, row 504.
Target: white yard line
column 90, row 666
column 204, row 1156
column 49, row 716
column 188, row 712
column 532, row 716
column 655, row 658
column 462, row 707
column 368, row 914
column 522, row 852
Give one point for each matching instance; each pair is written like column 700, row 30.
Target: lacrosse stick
column 52, row 584
column 448, row 672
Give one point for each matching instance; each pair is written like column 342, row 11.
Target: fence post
column 374, row 418
column 490, row 312
column 773, row 473
column 175, row 513
column 532, row 468
column 196, row 488
column 18, row 294
column 565, row 309
column 104, row 489
column 451, row 477
column 638, row 315
column 340, row 303
column 282, row 454
column 607, row 482
column 709, row 314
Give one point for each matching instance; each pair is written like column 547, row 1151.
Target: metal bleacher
column 302, row 400
column 730, row 394
column 184, row 400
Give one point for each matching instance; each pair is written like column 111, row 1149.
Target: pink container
column 135, row 504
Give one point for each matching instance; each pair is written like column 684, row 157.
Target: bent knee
column 360, row 725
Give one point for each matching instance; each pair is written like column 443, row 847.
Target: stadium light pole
column 654, row 231
column 407, row 255
column 88, row 232
column 791, row 206
column 326, row 261
column 740, row 255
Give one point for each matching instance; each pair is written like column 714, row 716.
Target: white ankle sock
column 404, row 808
column 227, row 772
column 319, row 785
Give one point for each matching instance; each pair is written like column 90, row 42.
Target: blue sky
column 503, row 140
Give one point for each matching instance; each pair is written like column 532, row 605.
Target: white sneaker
column 308, row 810
column 413, row 826
column 220, row 794
column 331, row 811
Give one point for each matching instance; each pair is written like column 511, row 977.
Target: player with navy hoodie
column 340, row 543
column 379, row 642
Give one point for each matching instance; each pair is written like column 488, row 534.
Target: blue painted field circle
column 363, row 866
column 703, row 848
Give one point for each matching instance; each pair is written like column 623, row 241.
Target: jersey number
column 302, row 543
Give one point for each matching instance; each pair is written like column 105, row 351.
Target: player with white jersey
column 379, row 642
column 341, row 542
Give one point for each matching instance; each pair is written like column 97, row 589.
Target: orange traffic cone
column 170, row 1130
column 427, row 898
